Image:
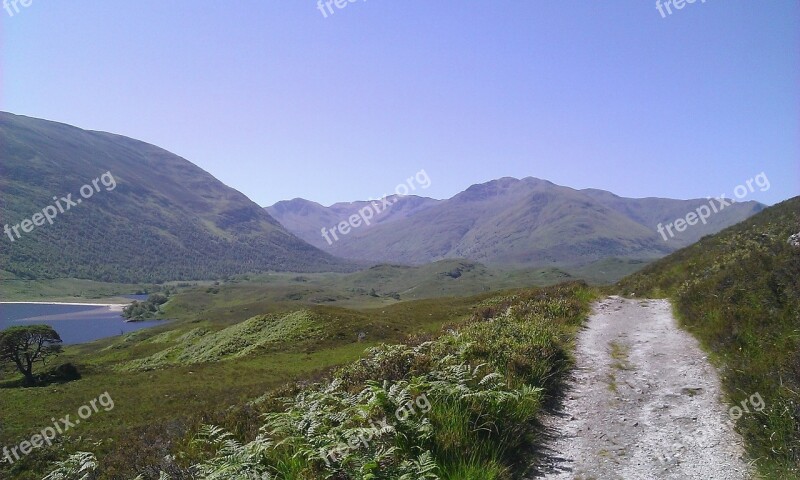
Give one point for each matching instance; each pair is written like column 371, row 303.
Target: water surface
column 74, row 323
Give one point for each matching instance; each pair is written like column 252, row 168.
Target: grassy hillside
column 739, row 293
column 13, row 288
column 457, row 402
column 159, row 406
column 652, row 210
column 267, row 291
column 382, row 285
column 154, row 217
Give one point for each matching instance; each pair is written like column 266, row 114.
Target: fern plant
column 78, row 466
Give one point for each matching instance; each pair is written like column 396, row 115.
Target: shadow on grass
column 64, row 373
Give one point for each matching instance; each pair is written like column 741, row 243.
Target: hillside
column 528, row 222
column 376, row 287
column 739, row 293
column 153, row 217
column 494, row 360
column 306, row 218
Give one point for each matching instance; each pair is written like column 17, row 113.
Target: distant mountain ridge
column 509, row 221
column 307, row 218
column 166, row 219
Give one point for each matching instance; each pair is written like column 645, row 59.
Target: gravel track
column 644, row 404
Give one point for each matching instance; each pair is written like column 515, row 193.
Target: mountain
column 146, row 214
column 306, row 218
column 738, row 292
column 508, row 221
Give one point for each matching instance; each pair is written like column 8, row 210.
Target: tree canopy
column 25, row 345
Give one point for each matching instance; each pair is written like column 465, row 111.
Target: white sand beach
column 111, row 306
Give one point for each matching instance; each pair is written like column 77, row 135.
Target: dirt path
column 645, row 403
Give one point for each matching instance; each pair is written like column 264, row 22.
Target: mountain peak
column 528, row 221
column 501, row 186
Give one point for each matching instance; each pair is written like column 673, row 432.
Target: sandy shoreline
column 111, row 306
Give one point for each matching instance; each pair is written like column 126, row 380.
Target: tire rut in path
column 644, row 404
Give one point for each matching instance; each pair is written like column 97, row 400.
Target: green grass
column 276, row 291
column 485, row 381
column 262, row 332
column 241, row 296
column 13, row 288
column 511, row 350
column 619, row 353
column 608, row 270
column 611, row 381
column 738, row 292
column 62, row 289
column 155, row 408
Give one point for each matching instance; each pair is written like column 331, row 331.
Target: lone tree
column 23, row 346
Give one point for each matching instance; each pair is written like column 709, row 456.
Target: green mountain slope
column 739, row 293
column 528, row 222
column 165, row 218
column 306, row 218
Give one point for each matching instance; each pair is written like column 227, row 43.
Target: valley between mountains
column 385, row 240
column 498, row 334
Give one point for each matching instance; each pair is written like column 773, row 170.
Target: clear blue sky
column 279, row 102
